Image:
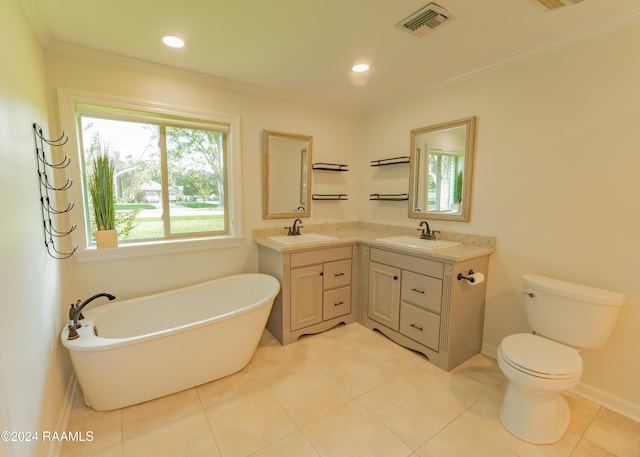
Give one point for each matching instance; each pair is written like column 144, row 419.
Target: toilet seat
column 540, row 357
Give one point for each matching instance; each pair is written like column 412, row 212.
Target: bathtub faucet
column 75, row 313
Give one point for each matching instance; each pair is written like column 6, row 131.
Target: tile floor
column 347, row 392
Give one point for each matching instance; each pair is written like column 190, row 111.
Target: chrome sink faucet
column 427, row 233
column 295, row 229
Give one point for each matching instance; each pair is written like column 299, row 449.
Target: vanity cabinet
column 419, row 303
column 316, row 290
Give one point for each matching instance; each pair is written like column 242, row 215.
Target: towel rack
column 390, row 161
column 46, row 186
column 330, row 166
column 389, row 197
column 329, row 197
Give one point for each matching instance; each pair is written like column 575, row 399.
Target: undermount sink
column 302, row 239
column 415, row 242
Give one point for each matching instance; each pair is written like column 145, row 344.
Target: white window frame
column 67, row 101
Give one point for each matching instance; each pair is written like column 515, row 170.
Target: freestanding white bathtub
column 136, row 350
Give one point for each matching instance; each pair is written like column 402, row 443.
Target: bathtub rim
column 88, row 341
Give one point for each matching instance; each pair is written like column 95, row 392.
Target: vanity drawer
column 337, row 274
column 336, row 302
column 408, row 262
column 423, row 291
column 301, row 259
column 420, row 325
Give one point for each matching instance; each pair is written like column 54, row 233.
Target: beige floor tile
column 351, row 431
column 308, row 394
column 352, row 332
column 583, row 412
column 230, row 386
column 615, row 433
column 482, row 369
column 356, row 393
column 106, row 427
column 586, row 448
column 275, row 361
column 145, row 416
column 387, row 353
column 113, row 451
column 293, row 445
column 322, row 346
column 187, row 436
column 356, row 372
column 412, row 416
column 454, row 391
column 248, row 423
column 460, row 439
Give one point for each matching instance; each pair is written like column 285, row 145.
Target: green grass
column 197, row 204
column 152, row 227
column 130, row 206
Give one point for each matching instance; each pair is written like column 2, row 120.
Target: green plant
column 101, row 190
column 457, row 188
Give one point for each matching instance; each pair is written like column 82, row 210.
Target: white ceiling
column 305, row 48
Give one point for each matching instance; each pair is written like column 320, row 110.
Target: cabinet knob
column 395, row 277
column 322, row 273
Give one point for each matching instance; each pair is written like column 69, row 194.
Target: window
column 445, row 178
column 173, row 170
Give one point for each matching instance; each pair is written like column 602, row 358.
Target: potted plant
column 101, row 191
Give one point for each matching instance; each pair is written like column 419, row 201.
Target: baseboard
column 63, row 418
column 600, row 397
column 489, row 350
column 609, row 401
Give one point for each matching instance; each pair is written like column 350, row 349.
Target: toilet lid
column 540, row 356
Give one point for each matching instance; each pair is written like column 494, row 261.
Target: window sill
column 130, row 250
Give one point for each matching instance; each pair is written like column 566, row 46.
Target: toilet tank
column 577, row 315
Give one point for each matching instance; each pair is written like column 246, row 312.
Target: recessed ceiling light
column 360, row 68
column 173, row 41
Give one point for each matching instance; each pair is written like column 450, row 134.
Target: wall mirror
column 286, row 165
column 441, row 170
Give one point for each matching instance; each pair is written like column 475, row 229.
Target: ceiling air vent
column 555, row 4
column 425, row 19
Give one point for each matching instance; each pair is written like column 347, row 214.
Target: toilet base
column 534, row 416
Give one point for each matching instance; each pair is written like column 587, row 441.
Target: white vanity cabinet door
column 306, row 296
column 384, row 294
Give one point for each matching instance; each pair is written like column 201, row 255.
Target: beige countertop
column 367, row 233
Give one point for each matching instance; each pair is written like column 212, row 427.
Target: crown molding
column 58, row 47
column 564, row 41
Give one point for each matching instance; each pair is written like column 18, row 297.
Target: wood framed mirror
column 441, row 170
column 286, row 166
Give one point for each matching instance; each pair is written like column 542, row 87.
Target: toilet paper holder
column 468, row 277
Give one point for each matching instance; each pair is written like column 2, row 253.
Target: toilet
column 540, row 366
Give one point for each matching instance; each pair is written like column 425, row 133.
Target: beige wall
column 31, row 382
column 556, row 182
